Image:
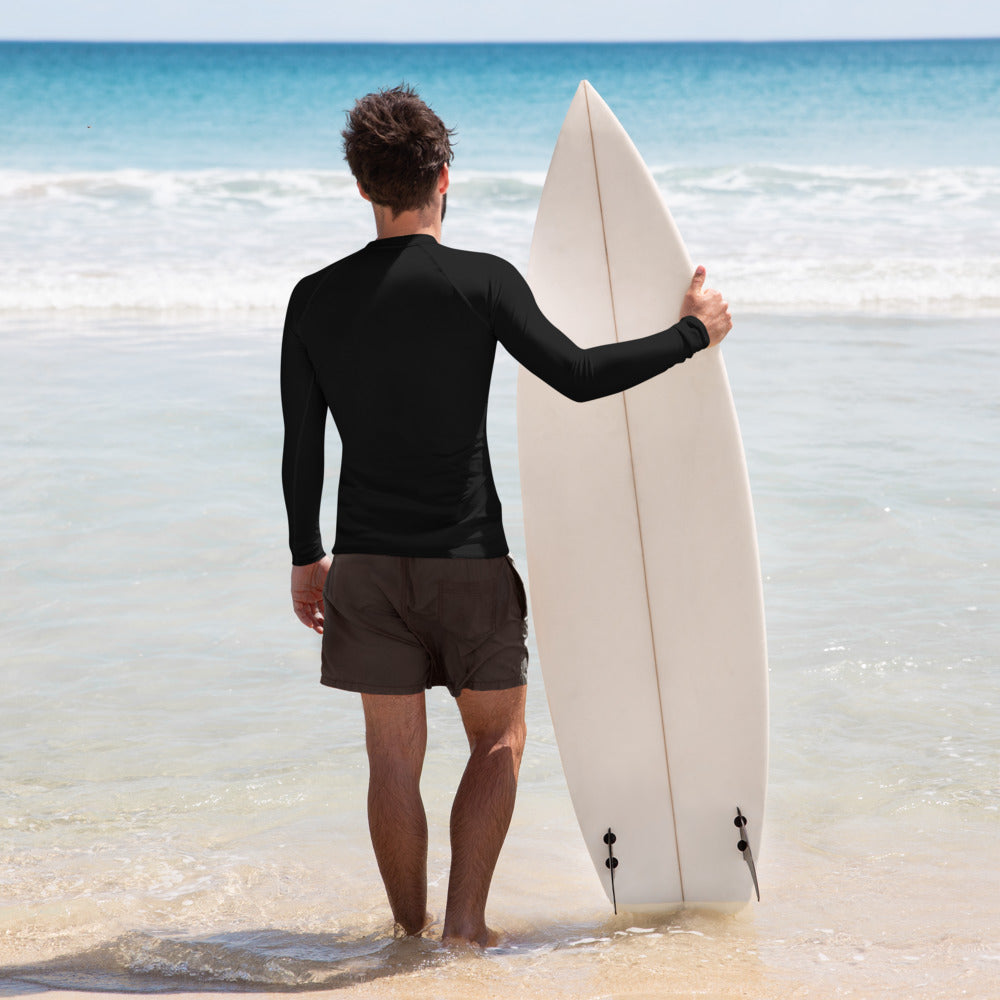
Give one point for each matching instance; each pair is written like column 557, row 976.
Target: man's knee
column 494, row 722
column 510, row 740
column 396, row 759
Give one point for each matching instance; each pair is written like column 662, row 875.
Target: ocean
column 182, row 806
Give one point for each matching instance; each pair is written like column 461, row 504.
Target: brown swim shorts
column 401, row 624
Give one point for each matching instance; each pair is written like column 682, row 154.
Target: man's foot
column 429, row 921
column 487, row 938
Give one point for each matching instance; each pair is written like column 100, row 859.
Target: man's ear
column 443, row 178
column 361, row 191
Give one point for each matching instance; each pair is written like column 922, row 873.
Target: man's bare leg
column 484, row 803
column 396, row 736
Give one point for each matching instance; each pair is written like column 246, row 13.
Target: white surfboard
column 641, row 549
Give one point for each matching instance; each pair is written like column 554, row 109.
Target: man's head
column 396, row 146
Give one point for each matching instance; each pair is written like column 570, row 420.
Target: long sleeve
column 304, row 410
column 584, row 373
column 397, row 341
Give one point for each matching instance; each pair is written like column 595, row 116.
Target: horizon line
column 508, row 41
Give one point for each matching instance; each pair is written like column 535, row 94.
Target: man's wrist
column 694, row 332
column 299, row 560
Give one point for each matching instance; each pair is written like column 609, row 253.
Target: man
column 397, row 340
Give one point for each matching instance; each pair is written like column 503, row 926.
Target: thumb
column 699, row 277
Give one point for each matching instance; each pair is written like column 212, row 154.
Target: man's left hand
column 307, row 592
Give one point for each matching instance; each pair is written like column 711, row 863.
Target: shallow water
column 184, row 805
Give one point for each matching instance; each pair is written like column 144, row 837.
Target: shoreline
column 918, row 922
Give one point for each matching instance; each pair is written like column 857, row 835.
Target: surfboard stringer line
column 635, row 494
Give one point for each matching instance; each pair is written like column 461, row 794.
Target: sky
column 501, row 20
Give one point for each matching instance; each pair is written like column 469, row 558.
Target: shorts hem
column 360, row 687
column 495, row 685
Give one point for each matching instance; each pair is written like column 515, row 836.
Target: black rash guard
column 398, row 341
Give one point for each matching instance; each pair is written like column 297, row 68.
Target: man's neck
column 406, row 223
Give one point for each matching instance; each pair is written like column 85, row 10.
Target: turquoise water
column 159, row 106
column 182, row 805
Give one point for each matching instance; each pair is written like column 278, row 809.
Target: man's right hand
column 307, row 592
column 707, row 304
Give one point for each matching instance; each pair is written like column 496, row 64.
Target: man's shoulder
column 489, row 273
column 306, row 287
column 331, row 270
column 477, row 259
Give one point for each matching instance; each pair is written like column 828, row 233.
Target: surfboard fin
column 611, row 864
column 744, row 847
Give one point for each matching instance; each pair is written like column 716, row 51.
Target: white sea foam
column 778, row 238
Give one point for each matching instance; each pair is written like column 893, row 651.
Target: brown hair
column 395, row 146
